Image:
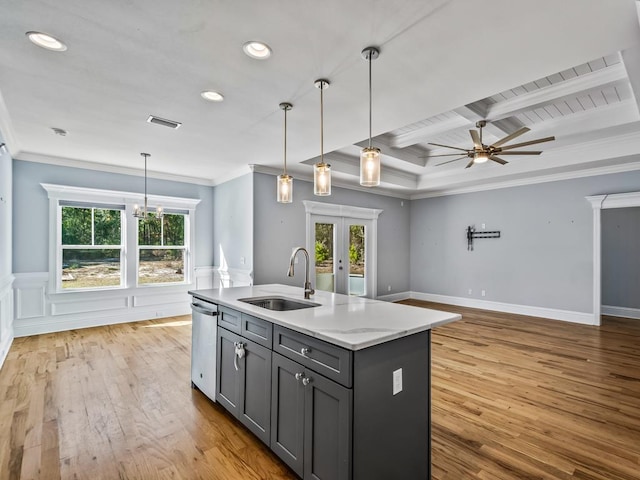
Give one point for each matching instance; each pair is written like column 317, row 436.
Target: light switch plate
column 397, row 381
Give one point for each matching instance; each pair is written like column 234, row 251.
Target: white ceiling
column 569, row 69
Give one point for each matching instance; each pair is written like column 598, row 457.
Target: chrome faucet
column 308, row 291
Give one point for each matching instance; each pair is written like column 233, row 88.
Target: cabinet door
column 228, row 381
column 255, row 389
column 327, row 429
column 287, row 410
column 203, row 353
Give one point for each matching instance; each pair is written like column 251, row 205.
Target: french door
column 342, row 253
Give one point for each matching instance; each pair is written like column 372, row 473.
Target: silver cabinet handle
column 299, row 376
column 305, row 350
column 306, row 381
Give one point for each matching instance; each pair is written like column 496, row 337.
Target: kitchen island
column 338, row 388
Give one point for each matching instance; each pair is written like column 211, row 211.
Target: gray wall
column 621, row 257
column 543, row 259
column 233, row 222
column 31, row 208
column 280, row 227
column 5, row 215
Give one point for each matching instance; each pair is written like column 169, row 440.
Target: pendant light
column 321, row 170
column 370, row 156
column 285, row 182
column 139, row 212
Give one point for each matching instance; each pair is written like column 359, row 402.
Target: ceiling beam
column 429, row 131
column 631, row 59
column 384, row 143
column 615, row 74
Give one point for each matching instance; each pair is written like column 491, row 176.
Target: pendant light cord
column 285, row 141
column 370, row 121
column 145, row 184
column 322, row 122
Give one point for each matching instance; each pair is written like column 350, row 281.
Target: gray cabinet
column 328, row 412
column 310, row 421
column 244, row 383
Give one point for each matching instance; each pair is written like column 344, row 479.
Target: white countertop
column 350, row 322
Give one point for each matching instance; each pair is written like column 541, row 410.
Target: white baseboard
column 551, row 313
column 621, row 312
column 37, row 326
column 394, row 297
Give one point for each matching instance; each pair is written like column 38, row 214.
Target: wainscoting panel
column 6, row 316
column 37, row 311
column 159, row 298
column 90, row 305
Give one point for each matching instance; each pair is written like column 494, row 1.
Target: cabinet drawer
column 258, row 330
column 229, row 319
column 329, row 360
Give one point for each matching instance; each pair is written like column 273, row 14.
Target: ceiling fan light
column 370, row 167
column 322, row 179
column 480, row 157
column 285, row 188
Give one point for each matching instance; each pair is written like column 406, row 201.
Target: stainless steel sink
column 281, row 304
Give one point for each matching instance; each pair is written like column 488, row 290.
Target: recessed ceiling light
column 45, row 40
column 257, row 50
column 212, row 96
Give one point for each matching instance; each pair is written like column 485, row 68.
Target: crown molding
column 101, row 167
column 554, row 177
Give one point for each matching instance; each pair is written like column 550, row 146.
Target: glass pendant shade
column 480, row 157
column 322, row 179
column 370, row 167
column 285, row 188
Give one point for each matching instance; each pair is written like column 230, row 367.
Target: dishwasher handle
column 196, row 307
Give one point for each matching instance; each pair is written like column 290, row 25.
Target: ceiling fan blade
column 448, row 146
column 498, row 160
column 476, row 138
column 449, row 161
column 525, row 152
column 443, row 155
column 530, row 142
column 469, row 164
column 510, row 137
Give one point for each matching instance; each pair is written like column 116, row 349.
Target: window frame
column 60, row 247
column 129, row 261
column 186, row 259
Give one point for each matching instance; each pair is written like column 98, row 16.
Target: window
column 91, row 248
column 161, row 247
column 96, row 243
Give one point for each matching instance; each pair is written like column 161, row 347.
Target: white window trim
column 56, row 193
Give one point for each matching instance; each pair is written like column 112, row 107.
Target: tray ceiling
column 443, row 66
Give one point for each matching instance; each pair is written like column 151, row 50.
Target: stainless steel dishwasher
column 204, row 331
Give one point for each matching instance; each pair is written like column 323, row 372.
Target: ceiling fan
column 481, row 153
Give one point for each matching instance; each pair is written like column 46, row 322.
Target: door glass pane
column 356, row 260
column 324, row 257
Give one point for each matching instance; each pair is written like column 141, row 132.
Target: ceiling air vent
column 164, row 122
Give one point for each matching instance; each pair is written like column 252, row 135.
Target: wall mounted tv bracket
column 471, row 234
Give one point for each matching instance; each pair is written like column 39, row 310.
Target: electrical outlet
column 483, row 226
column 241, row 260
column 389, row 288
column 397, row 381
column 470, row 291
column 483, row 293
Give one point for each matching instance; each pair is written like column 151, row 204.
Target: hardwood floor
column 517, row 397
column 513, row 398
